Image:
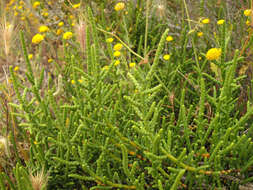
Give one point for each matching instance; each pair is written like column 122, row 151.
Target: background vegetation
column 103, row 94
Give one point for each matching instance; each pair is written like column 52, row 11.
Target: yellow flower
column 109, row 40
column 37, row 38
column 247, row 23
column 131, row 65
column 213, row 53
column 73, row 82
column 247, row 12
column 50, row 60
column 30, row 56
column 205, row 21
column 105, row 67
column 16, row 68
column 169, row 38
column 43, row 28
column 67, row 35
column 117, row 62
column 9, row 80
column 119, row 6
column 80, row 80
column 45, row 14
column 116, row 54
column 75, row 6
column 220, row 22
column 60, row 24
column 200, row 34
column 59, row 31
column 56, row 18
column 71, row 17
column 30, row 15
column 117, row 47
column 36, row 4
column 166, row 57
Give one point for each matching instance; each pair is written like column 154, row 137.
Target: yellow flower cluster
column 67, row 35
column 205, row 21
column 166, row 57
column 43, row 29
column 30, row 56
column 106, row 67
column 220, row 22
column 37, row 38
column 76, row 6
column 119, row 6
column 199, row 34
column 213, row 54
column 59, row 31
column 247, row 12
column 45, row 14
column 16, row 68
column 117, row 47
column 131, row 65
column 109, row 40
column 60, row 24
column 50, row 60
column 117, row 62
column 169, row 38
column 36, row 4
column 116, row 54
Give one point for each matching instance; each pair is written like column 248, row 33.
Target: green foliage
column 160, row 125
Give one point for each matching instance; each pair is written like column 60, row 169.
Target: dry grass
column 39, row 180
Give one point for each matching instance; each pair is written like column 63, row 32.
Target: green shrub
column 159, row 125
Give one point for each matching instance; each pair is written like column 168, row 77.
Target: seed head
column 80, row 30
column 7, row 36
column 4, row 146
column 39, row 180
